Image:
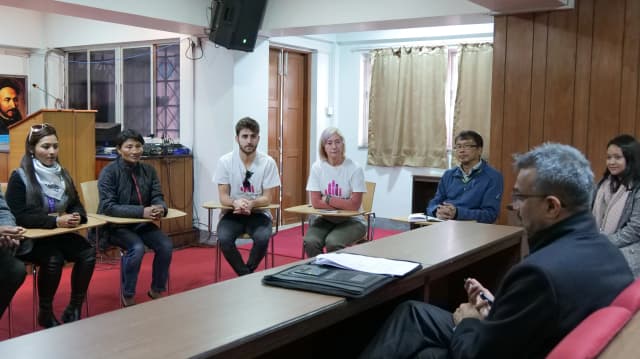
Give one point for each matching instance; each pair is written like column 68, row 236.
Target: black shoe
column 70, row 314
column 153, row 294
column 47, row 319
column 127, row 301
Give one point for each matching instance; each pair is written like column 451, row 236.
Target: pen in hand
column 485, row 298
column 481, row 294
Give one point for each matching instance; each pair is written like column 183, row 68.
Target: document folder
column 328, row 280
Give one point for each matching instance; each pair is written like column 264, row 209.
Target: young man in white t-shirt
column 246, row 179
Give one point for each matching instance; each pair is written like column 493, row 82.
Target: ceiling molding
column 503, row 7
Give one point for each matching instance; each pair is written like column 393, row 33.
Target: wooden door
column 275, row 96
column 289, row 124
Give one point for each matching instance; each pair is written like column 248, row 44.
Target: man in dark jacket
column 572, row 271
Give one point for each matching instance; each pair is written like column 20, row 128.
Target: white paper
column 421, row 217
column 366, row 264
column 327, row 210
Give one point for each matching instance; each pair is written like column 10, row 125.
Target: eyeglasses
column 247, row 176
column 520, row 197
column 464, row 147
column 36, row 129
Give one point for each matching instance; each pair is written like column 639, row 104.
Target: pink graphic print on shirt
column 333, row 189
column 249, row 189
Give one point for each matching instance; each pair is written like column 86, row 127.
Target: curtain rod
column 443, row 42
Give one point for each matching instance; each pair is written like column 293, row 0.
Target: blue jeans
column 132, row 240
column 232, row 226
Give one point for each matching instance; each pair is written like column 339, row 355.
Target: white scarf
column 50, row 179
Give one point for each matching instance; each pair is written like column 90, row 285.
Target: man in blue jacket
column 571, row 271
column 471, row 191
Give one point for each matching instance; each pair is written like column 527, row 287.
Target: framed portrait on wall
column 13, row 102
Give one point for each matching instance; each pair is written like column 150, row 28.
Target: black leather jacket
column 118, row 194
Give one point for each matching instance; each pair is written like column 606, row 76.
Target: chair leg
column 273, row 252
column 209, row 220
column 34, row 271
column 273, row 239
column 121, row 293
column 218, row 266
column 302, row 229
column 10, row 320
column 86, row 302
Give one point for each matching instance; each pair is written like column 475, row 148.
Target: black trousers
column 50, row 254
column 232, row 226
column 414, row 330
column 12, row 274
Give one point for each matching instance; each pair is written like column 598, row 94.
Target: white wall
column 214, row 120
column 23, row 28
column 66, row 31
column 251, row 89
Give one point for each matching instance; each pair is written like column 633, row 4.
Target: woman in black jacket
column 129, row 188
column 41, row 194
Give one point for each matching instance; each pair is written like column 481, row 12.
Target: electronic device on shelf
column 159, row 149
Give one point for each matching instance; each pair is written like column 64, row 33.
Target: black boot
column 49, row 274
column 73, row 310
column 70, row 314
column 46, row 319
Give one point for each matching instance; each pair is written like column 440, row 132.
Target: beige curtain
column 473, row 98
column 407, row 107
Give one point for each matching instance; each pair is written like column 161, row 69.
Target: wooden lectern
column 76, row 135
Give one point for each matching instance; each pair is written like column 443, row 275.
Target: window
column 102, row 84
column 168, row 92
column 450, row 98
column 136, row 89
column 136, row 86
column 366, row 63
column 365, row 87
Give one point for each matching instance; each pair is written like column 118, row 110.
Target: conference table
column 242, row 318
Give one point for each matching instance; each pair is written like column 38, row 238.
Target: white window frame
column 118, row 56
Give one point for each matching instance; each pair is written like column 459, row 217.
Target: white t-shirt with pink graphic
column 339, row 181
column 263, row 175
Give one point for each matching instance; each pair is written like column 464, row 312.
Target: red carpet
column 190, row 268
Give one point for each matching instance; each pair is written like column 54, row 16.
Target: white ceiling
column 290, row 17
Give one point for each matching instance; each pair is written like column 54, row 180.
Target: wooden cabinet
column 176, row 178
column 423, row 190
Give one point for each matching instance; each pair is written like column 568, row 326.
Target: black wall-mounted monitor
column 235, row 23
